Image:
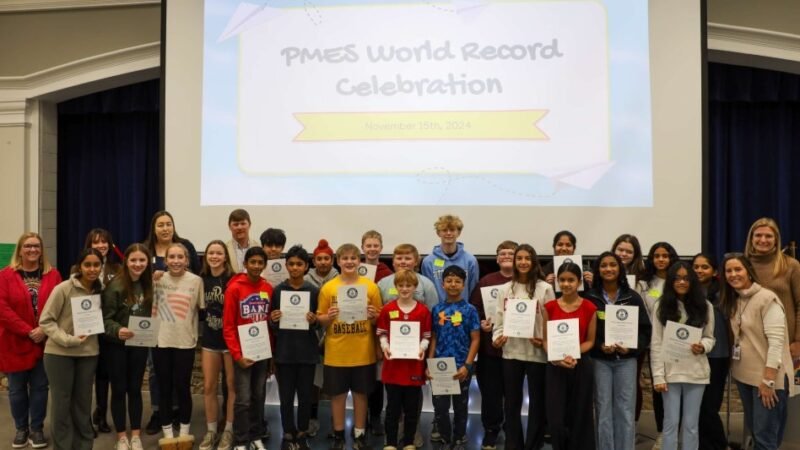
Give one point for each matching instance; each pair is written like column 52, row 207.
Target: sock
column 168, row 431
column 212, row 426
column 184, row 430
column 358, row 432
column 229, row 426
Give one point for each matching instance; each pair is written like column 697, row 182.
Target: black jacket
column 627, row 297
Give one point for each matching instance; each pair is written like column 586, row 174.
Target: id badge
column 736, row 353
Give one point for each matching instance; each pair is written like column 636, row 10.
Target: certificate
column 87, row 317
column 442, row 371
column 677, row 340
column 254, row 340
column 519, row 318
column 558, row 260
column 404, row 339
column 622, row 326
column 145, row 331
column 489, row 296
column 352, row 303
column 294, row 307
column 563, row 340
column 275, row 273
column 368, row 271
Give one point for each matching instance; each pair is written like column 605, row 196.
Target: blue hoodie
column 434, row 264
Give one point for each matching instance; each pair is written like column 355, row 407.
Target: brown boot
column 185, row 442
column 168, row 444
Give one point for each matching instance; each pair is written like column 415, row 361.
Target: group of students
column 747, row 313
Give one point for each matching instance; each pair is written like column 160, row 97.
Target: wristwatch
column 769, row 383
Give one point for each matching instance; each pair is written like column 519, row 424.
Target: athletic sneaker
column 389, row 447
column 376, row 425
column 37, row 439
column 338, row 443
column 410, row 447
column 208, row 440
column 257, row 445
column 242, row 447
column 313, row 427
column 154, row 425
column 489, row 440
column 20, row 439
column 419, row 441
column 226, row 441
column 360, row 443
column 657, row 444
column 435, row 435
column 136, row 443
column 122, row 444
column 301, row 443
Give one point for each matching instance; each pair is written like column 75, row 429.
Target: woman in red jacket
column 25, row 286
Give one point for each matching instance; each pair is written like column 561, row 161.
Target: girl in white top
column 681, row 379
column 178, row 299
column 522, row 356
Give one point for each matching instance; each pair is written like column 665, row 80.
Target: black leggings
column 102, row 376
column 174, row 372
column 299, row 379
column 405, row 399
column 126, row 372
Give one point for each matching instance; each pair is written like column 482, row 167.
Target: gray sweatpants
column 71, row 399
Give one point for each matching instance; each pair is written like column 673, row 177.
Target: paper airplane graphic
column 583, row 177
column 246, row 16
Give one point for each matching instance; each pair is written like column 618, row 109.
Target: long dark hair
column 694, row 302
column 536, row 273
column 728, row 295
column 146, row 279
column 97, row 286
column 151, row 240
column 597, row 282
column 712, row 291
column 102, row 234
column 637, row 265
column 650, row 268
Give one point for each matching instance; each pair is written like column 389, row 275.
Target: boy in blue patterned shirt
column 456, row 333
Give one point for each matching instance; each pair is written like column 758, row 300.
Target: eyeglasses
column 31, row 246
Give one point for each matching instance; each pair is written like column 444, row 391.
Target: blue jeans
column 441, row 408
column 248, row 407
column 767, row 425
column 27, row 395
column 615, row 402
column 692, row 396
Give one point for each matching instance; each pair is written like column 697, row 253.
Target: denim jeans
column 615, row 401
column 692, row 396
column 767, row 425
column 248, row 407
column 27, row 395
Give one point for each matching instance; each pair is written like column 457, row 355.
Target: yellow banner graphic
column 428, row 125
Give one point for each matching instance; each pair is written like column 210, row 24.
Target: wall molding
column 753, row 41
column 45, row 5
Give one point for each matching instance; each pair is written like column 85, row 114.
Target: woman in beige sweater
column 70, row 360
column 760, row 356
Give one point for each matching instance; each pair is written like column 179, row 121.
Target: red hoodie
column 245, row 302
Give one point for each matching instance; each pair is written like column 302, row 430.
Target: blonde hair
column 448, row 221
column 372, row 234
column 16, row 260
column 348, row 248
column 405, row 276
column 781, row 264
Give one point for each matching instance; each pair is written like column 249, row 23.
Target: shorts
column 216, row 350
column 340, row 380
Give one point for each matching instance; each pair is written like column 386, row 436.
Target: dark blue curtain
column 108, row 166
column 754, row 153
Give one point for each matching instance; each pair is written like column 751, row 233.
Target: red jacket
column 17, row 351
column 245, row 302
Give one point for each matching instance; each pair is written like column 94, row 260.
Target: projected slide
column 426, row 103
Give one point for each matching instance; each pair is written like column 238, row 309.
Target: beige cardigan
column 56, row 322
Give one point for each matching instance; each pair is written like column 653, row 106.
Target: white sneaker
column 226, row 441
column 136, row 443
column 208, row 440
column 418, row 440
column 258, row 445
column 122, row 444
column 313, row 427
column 659, row 440
column 241, row 447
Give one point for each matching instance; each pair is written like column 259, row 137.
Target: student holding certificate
column 349, row 346
column 681, row 377
column 564, row 244
column 569, row 380
column 247, row 301
column 760, row 354
column 296, row 347
column 523, row 357
column 69, row 359
column 404, row 377
column 615, row 364
column 129, row 294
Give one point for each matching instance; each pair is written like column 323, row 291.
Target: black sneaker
column 287, row 443
column 20, row 439
column 435, row 435
column 267, row 433
column 360, row 443
column 100, row 422
column 37, row 439
column 301, row 443
column 154, row 425
column 338, row 443
column 489, row 440
column 376, row 425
